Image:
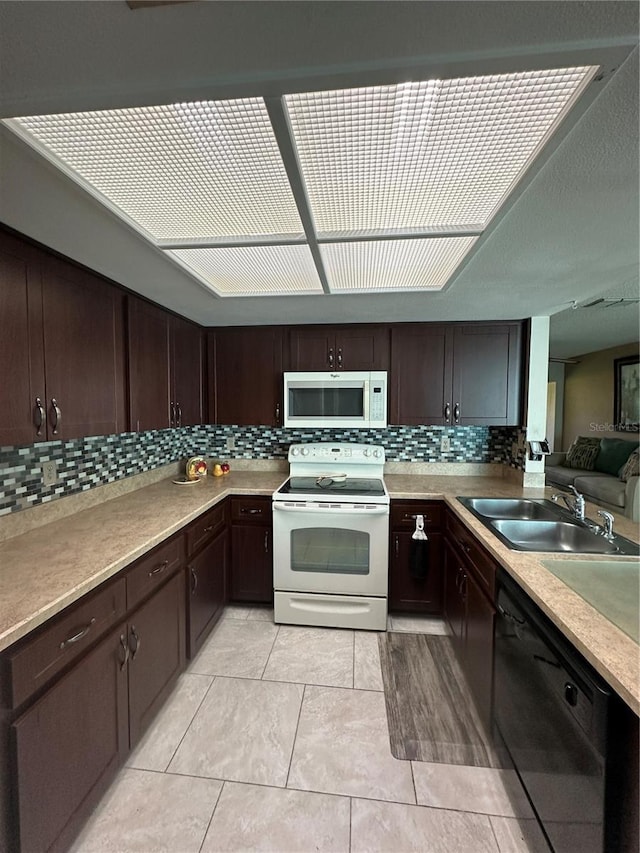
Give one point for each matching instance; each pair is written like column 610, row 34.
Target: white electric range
column 331, row 537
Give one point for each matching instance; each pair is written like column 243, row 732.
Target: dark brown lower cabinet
column 69, row 745
column 454, row 595
column 251, row 550
column 470, row 611
column 74, row 707
column 406, row 592
column 478, row 648
column 207, row 579
column 156, row 637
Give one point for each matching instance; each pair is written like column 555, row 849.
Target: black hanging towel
column 419, row 551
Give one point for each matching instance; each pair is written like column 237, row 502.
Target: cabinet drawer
column 256, row 510
column 207, row 527
column 465, row 541
column 38, row 658
column 403, row 515
column 153, row 569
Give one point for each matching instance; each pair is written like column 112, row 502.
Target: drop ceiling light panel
column 187, row 171
column 387, row 265
column 425, row 157
column 253, row 270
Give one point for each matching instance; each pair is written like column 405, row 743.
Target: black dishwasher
column 551, row 709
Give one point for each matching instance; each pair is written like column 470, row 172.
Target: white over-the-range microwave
column 342, row 399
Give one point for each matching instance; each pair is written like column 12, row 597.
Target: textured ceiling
column 569, row 233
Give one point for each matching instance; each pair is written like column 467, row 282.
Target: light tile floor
column 276, row 739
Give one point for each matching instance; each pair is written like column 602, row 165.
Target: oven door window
column 330, row 551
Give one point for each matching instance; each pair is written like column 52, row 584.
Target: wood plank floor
column 430, row 713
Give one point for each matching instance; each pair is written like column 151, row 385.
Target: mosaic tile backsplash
column 88, row 462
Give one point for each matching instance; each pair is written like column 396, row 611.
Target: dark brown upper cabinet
column 456, row 374
column 165, row 368
column 187, row 374
column 245, row 375
column 336, row 348
column 61, row 348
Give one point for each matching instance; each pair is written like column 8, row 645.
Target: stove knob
column 377, row 453
column 294, row 451
column 305, row 451
column 367, row 451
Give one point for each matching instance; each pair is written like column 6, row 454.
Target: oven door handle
column 352, row 509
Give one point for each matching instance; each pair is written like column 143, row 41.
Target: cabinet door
column 245, row 370
column 478, row 649
column 207, row 579
column 157, row 644
column 407, row 592
column 454, row 595
column 68, row 747
column 420, row 375
column 313, row 348
column 487, row 375
column 187, row 356
column 149, row 366
column 362, row 348
column 251, row 563
column 21, row 345
column 84, row 352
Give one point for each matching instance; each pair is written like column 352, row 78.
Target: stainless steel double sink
column 527, row 524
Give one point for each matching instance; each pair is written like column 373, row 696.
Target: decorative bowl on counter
column 196, row 468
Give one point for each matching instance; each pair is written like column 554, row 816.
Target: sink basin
column 525, row 524
column 511, row 508
column 539, row 535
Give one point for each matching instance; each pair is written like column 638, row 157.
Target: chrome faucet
column 606, row 528
column 576, row 506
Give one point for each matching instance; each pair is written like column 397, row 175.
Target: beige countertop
column 48, row 567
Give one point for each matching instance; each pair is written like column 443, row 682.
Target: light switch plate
column 231, row 442
column 445, row 444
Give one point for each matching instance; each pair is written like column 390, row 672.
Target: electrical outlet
column 49, row 473
column 231, row 442
column 445, row 444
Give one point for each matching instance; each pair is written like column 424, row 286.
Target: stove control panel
column 325, row 451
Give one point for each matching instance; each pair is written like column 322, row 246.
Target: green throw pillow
column 582, row 453
column 631, row 467
column 614, row 452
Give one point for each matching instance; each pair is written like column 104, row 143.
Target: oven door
column 330, row 548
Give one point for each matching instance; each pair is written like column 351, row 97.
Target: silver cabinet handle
column 277, row 414
column 172, row 413
column 250, row 511
column 178, row 415
column 38, row 416
column 447, row 413
column 159, row 568
column 456, row 413
column 397, row 546
column 330, row 357
column 125, row 649
column 56, row 414
column 77, row 637
column 136, row 648
column 194, row 579
column 340, row 357
column 266, row 542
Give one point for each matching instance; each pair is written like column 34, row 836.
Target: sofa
column 604, row 470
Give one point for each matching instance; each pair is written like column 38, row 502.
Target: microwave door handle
column 365, row 400
column 354, row 509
